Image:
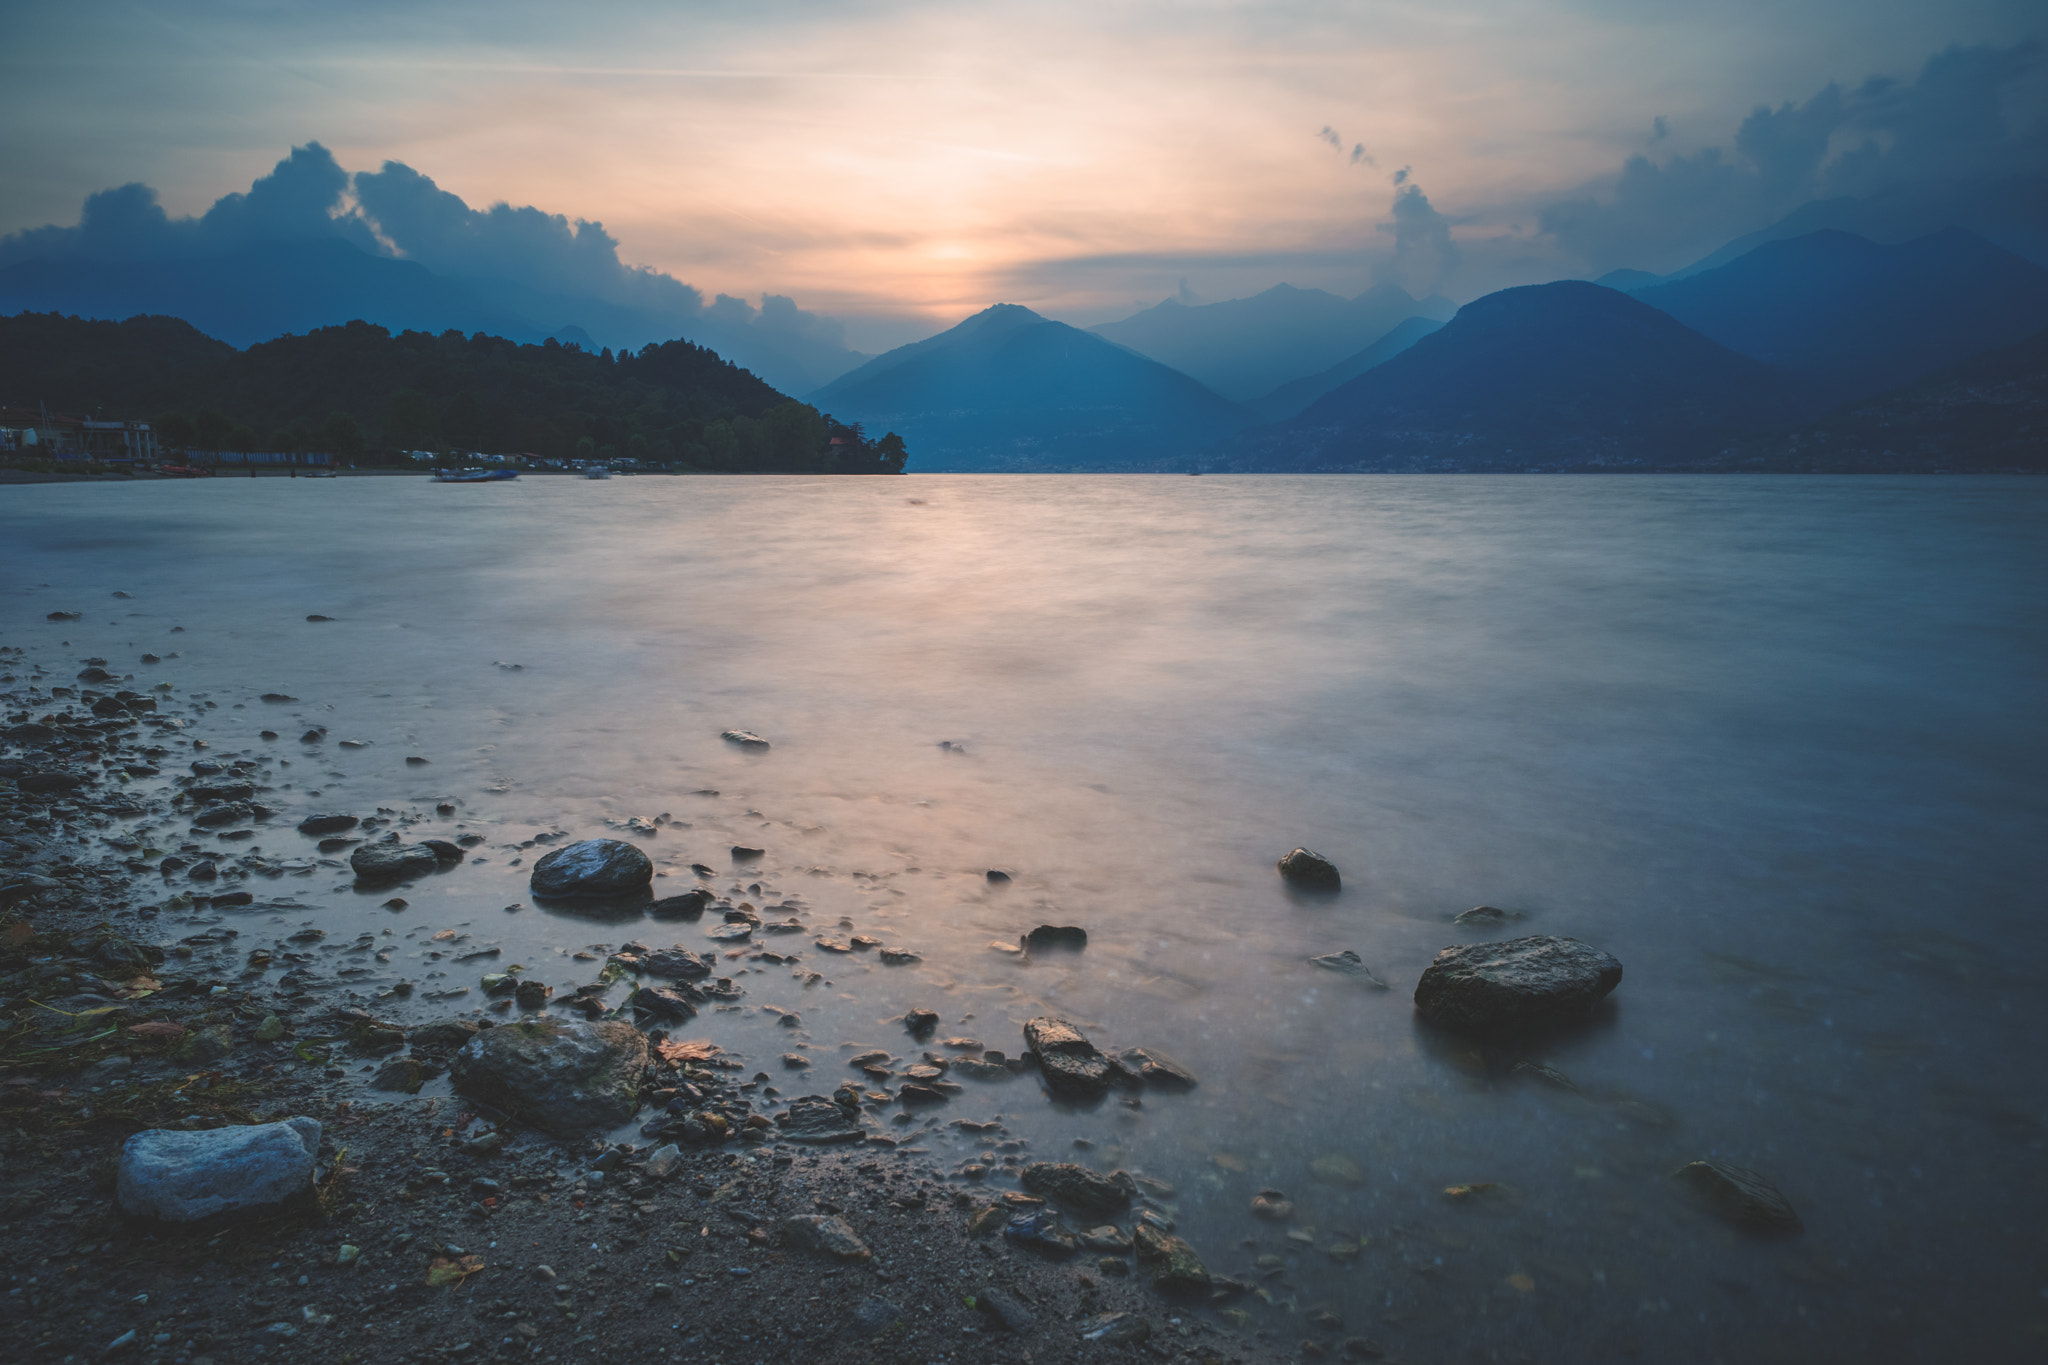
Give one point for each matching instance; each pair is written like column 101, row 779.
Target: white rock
column 223, row 1172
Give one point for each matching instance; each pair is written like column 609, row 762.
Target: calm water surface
column 1777, row 744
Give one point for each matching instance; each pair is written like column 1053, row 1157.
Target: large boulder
column 1517, row 983
column 592, row 867
column 392, row 862
column 220, row 1173
column 1070, row 1063
column 557, row 1074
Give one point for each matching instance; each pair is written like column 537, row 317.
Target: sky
column 899, row 164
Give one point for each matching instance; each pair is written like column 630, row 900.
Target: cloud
column 303, row 197
column 526, row 261
column 1948, row 125
column 1424, row 257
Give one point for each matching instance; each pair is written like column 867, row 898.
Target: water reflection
column 1775, row 744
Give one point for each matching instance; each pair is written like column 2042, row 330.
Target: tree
column 891, row 453
column 242, row 439
column 211, row 428
column 409, row 420
column 343, row 436
column 175, row 431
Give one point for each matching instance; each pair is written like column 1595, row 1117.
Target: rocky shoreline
column 494, row 1222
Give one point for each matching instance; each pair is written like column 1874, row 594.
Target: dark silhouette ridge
column 359, row 389
column 1565, row 375
column 1855, row 317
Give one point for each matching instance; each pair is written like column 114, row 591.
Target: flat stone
column 688, row 905
column 829, row 1235
column 331, row 823
column 1076, row 1185
column 1071, row 1064
column 219, row 1173
column 1484, row 917
column 1007, row 1309
column 1517, row 983
column 874, row 1316
column 558, row 1074
column 746, row 739
column 592, row 868
column 817, row 1120
column 1740, row 1195
column 1310, row 871
column 1109, row 1237
column 677, row 964
column 1150, row 1065
column 1118, row 1329
column 1041, row 1230
column 392, row 862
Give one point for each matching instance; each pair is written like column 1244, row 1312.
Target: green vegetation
column 361, row 393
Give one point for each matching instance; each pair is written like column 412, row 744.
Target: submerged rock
column 220, row 1173
column 1150, row 1064
column 1484, row 917
column 1348, row 963
column 1515, row 983
column 556, row 1074
column 1071, row 1064
column 1272, row 1206
column 746, row 739
column 1089, row 1191
column 592, row 868
column 1057, row 936
column 1740, row 1195
column 921, row 1022
column 1310, row 871
column 392, row 862
column 676, row 963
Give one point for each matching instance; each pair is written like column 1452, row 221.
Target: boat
column 474, row 475
column 318, row 474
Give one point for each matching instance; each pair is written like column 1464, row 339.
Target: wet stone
column 1350, row 964
column 1516, row 983
column 1041, row 1230
column 1484, row 917
column 815, row 1119
column 1176, row 1270
column 1070, row 1063
column 332, row 823
column 1076, row 1186
column 1310, row 871
column 1155, row 1067
column 392, row 862
column 592, row 868
column 560, row 1075
column 1273, row 1206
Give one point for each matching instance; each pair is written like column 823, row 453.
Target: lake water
column 1776, row 743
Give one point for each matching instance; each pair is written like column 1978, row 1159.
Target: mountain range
column 1008, row 390
column 1244, row 349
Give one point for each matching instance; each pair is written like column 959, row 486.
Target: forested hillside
column 364, row 393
